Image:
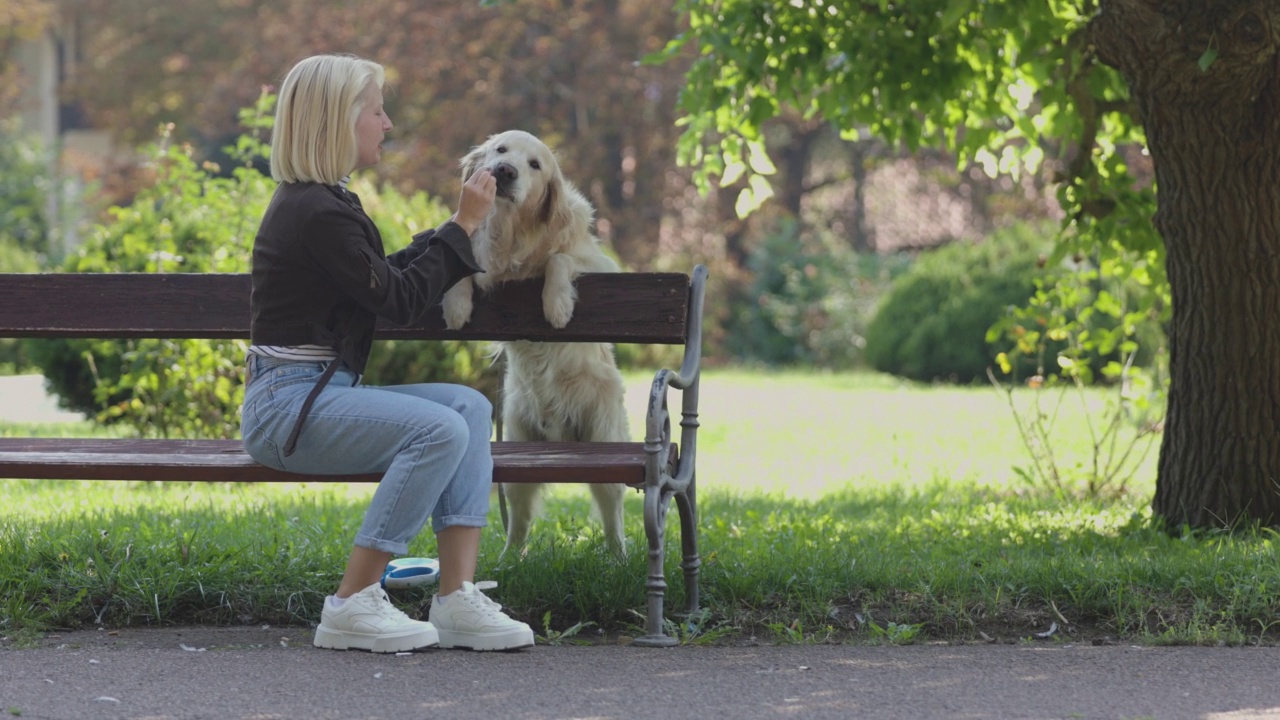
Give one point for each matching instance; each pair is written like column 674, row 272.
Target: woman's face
column 371, row 125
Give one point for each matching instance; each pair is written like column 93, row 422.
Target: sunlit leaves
column 1012, row 87
column 753, row 196
column 989, row 81
column 907, row 73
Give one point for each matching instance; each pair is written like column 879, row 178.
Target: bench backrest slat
column 622, row 307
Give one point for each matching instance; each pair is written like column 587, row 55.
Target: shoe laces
column 482, row 601
column 384, row 608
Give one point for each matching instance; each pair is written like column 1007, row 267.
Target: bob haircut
column 314, row 139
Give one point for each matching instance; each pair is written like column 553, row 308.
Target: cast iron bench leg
column 656, row 502
column 687, row 503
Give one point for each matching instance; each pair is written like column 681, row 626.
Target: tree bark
column 860, row 233
column 1214, row 137
column 796, row 157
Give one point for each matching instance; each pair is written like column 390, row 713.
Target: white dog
column 541, row 227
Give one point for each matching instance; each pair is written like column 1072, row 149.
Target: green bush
column 191, row 219
column 25, row 185
column 932, row 325
column 1087, row 316
column 26, row 226
column 41, row 207
column 16, row 259
column 187, row 220
column 808, row 302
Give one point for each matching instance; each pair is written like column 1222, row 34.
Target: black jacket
column 320, row 274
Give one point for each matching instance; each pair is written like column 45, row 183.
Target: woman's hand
column 476, row 201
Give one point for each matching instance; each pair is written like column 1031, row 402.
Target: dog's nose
column 504, row 172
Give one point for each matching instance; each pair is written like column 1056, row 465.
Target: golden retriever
column 541, row 227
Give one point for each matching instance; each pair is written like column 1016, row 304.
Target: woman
column 320, row 281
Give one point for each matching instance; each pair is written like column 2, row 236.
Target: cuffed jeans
column 430, row 442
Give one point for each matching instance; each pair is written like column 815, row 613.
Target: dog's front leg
column 558, row 293
column 457, row 304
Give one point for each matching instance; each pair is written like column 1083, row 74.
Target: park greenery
column 922, row 531
column 192, row 217
column 1049, row 334
column 1071, row 88
column 820, row 304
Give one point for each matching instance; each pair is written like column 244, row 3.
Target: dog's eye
column 502, row 149
column 535, row 164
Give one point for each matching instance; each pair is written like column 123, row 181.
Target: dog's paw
column 558, row 308
column 457, row 306
column 617, row 546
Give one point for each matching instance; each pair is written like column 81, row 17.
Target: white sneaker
column 469, row 619
column 368, row 621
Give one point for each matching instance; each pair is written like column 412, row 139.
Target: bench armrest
column 657, row 439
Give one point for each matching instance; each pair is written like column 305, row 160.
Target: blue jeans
column 430, row 442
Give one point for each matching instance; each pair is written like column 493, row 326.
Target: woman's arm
column 340, row 242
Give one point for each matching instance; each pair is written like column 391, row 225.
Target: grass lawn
column 834, row 507
column 807, row 434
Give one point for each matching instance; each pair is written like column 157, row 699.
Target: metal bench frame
column 649, row 308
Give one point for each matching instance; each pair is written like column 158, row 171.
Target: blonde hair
column 314, row 139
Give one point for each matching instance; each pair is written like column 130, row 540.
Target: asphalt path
column 268, row 673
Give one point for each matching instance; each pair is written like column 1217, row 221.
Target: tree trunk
column 1214, row 137
column 796, row 158
column 861, row 235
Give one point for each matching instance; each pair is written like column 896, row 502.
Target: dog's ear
column 470, row 163
column 563, row 210
column 552, row 199
column 562, row 205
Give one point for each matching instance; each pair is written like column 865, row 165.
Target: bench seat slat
column 611, row 307
column 226, row 461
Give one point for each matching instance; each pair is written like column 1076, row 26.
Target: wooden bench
column 651, row 308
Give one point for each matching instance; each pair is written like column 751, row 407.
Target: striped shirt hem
column 299, row 353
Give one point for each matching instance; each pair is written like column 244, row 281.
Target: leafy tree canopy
column 1012, row 86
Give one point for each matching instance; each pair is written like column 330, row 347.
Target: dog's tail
column 494, row 352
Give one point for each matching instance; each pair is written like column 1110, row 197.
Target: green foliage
column 835, row 517
column 809, row 302
column 14, row 357
column 188, row 220
column 933, row 322
column 988, row 80
column 895, row 633
column 947, row 561
column 551, row 636
column 193, row 218
column 1084, row 321
column 1011, row 87
column 25, row 187
column 1082, row 313
column 16, row 259
column 1122, row 432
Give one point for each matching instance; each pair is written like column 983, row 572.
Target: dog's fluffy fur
column 541, row 227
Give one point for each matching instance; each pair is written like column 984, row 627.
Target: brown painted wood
column 622, row 307
column 226, row 461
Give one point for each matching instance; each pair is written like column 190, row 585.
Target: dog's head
column 527, row 172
